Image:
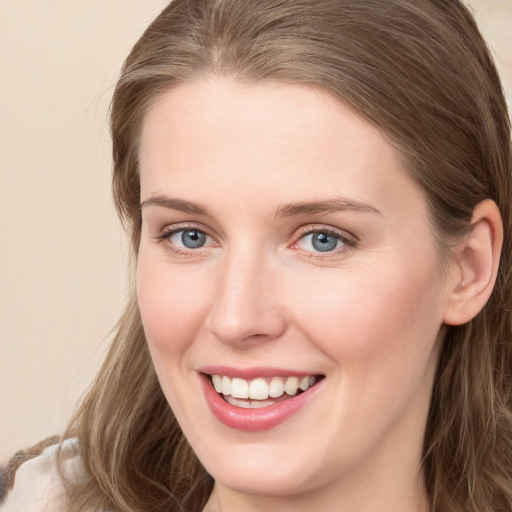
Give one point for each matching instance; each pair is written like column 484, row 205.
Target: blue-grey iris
column 192, row 238
column 323, row 242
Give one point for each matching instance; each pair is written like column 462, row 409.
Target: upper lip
column 254, row 372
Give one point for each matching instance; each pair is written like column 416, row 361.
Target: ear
column 475, row 265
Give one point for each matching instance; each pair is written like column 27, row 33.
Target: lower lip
column 254, row 420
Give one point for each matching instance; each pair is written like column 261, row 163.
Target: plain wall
column 62, row 257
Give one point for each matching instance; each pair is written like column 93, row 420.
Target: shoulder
column 38, row 485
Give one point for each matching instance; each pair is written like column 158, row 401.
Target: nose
column 246, row 305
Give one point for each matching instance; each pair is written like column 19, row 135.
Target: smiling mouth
column 261, row 392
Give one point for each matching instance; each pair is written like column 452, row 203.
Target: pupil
column 193, row 239
column 324, row 243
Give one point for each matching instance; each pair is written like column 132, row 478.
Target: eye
column 323, row 241
column 188, row 238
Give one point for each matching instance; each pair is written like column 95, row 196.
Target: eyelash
column 347, row 241
column 164, row 238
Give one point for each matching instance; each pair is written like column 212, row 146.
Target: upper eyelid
column 320, row 228
column 348, row 240
column 164, row 235
column 182, row 226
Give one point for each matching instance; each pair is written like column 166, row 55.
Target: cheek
column 171, row 314
column 172, row 306
column 379, row 330
column 373, row 317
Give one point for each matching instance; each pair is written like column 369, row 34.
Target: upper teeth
column 261, row 389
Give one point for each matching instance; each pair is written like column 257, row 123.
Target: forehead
column 281, row 141
column 237, row 113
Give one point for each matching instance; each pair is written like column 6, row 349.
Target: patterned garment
column 31, row 482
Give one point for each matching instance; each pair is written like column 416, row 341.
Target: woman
column 318, row 197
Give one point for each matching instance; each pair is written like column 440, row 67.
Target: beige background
column 62, row 263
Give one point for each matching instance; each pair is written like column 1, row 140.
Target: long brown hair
column 418, row 70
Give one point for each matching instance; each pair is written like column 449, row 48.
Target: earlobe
column 475, row 265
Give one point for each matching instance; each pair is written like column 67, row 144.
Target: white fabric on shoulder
column 38, row 486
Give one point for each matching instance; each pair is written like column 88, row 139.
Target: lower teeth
column 248, row 404
column 254, row 404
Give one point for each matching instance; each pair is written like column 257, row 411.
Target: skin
column 368, row 315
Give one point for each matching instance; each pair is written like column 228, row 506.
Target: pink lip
column 254, row 420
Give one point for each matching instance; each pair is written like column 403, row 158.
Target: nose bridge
column 245, row 305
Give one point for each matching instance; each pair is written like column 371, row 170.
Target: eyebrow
column 174, row 204
column 327, row 206
column 287, row 210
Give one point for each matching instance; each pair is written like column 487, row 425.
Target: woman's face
column 283, row 244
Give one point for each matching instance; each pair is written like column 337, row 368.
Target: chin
column 259, row 481
column 266, row 470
